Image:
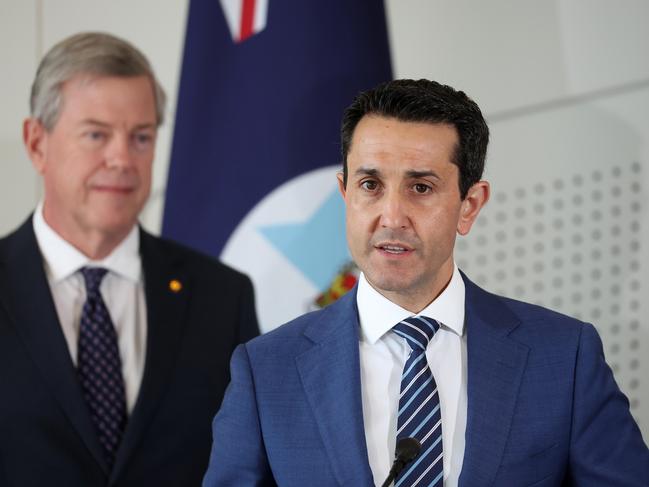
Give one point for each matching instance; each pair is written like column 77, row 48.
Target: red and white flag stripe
column 245, row 18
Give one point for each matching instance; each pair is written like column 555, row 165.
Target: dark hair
column 425, row 101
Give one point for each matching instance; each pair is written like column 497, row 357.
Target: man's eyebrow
column 99, row 123
column 92, row 121
column 412, row 174
column 366, row 171
column 150, row 125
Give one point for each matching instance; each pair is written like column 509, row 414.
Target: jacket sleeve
column 238, row 455
column 607, row 448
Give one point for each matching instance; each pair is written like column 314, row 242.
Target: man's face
column 404, row 207
column 96, row 160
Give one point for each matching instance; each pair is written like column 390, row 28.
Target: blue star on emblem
column 317, row 246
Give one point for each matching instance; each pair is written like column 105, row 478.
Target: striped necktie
column 419, row 413
column 99, row 366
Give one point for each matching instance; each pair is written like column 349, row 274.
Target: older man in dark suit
column 114, row 344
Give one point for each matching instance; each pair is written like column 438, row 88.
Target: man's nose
column 118, row 153
column 393, row 211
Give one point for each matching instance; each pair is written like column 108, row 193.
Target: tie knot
column 417, row 330
column 93, row 277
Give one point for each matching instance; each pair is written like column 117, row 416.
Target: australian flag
column 256, row 143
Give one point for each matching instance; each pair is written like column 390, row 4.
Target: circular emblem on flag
column 292, row 244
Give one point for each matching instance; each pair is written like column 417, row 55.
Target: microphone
column 406, row 451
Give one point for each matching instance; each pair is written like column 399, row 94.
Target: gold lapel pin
column 175, row 286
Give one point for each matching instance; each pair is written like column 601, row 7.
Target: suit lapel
column 330, row 373
column 495, row 368
column 167, row 290
column 26, row 295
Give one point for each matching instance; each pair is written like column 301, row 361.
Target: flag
column 256, row 142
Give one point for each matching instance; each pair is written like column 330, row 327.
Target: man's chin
column 112, row 224
column 389, row 284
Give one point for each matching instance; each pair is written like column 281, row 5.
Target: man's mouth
column 118, row 189
column 394, row 249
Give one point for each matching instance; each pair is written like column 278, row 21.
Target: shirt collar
column 377, row 314
column 62, row 259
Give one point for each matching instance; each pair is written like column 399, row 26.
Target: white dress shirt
column 122, row 289
column 382, row 357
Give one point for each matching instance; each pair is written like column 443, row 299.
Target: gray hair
column 91, row 53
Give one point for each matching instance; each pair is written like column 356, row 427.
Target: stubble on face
column 403, row 206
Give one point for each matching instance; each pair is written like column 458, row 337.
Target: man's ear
column 476, row 198
column 341, row 184
column 35, row 140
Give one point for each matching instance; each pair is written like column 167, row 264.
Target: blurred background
column 564, row 85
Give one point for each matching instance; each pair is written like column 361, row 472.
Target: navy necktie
column 419, row 413
column 99, row 366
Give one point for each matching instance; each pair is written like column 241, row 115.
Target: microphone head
column 407, row 449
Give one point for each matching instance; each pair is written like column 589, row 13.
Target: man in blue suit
column 497, row 392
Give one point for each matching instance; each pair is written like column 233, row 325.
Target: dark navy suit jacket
column 46, row 434
column 543, row 407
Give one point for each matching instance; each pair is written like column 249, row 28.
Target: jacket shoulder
column 527, row 321
column 286, row 332
column 305, row 329
column 20, row 236
column 537, row 313
column 181, row 255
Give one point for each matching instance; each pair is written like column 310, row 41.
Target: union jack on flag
column 245, row 18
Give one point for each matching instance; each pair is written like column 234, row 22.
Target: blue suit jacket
column 543, row 407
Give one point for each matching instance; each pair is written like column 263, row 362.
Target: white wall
column 28, row 28
column 565, row 86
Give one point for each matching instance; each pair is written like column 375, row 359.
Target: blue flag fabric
column 263, row 88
